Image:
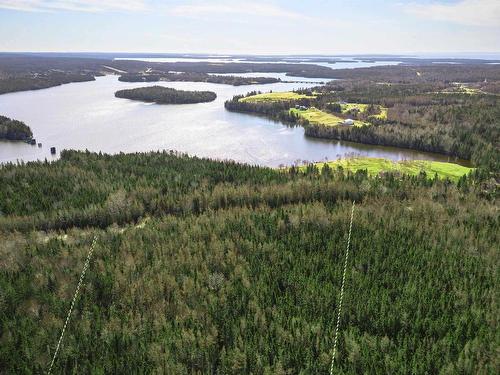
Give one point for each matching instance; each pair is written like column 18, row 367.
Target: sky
column 251, row 27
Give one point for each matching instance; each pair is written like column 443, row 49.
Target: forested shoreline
column 426, row 117
column 20, row 72
column 197, row 77
column 204, row 266
column 166, row 95
column 14, row 130
column 43, row 81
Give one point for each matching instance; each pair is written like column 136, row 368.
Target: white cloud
column 237, row 9
column 463, row 12
column 243, row 8
column 92, row 6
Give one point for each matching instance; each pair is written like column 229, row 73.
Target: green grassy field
column 349, row 106
column 376, row 165
column 382, row 115
column 275, row 97
column 362, row 108
column 316, row 116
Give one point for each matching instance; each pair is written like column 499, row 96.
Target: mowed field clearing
column 374, row 166
column 318, row 117
column 276, row 97
column 362, row 108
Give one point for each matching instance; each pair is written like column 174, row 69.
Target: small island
column 166, row 95
column 14, row 130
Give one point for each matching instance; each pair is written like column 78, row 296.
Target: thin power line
column 342, row 291
column 82, row 275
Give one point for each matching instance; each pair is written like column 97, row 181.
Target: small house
column 348, row 121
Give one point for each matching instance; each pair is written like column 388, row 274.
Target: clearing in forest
column 361, row 107
column 276, row 97
column 375, row 166
column 319, row 117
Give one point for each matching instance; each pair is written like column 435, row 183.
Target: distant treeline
column 19, row 64
column 166, row 95
column 412, row 73
column 397, row 73
column 20, row 72
column 281, row 58
column 197, row 77
column 209, row 67
column 14, row 130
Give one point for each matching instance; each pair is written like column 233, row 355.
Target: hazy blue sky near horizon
column 239, row 26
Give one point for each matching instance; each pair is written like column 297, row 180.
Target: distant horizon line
column 220, row 54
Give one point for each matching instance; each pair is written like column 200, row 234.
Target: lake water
column 88, row 116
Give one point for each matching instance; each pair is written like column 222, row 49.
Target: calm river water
column 88, row 116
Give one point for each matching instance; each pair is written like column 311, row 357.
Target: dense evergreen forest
column 206, row 267
column 14, row 130
column 421, row 116
column 166, row 95
column 197, row 77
